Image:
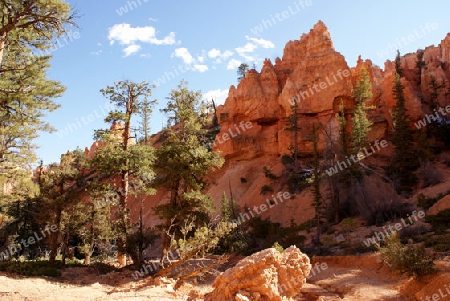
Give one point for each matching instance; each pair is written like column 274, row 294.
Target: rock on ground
column 266, row 275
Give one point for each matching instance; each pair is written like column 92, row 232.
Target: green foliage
column 440, row 221
column 344, row 138
column 406, row 259
column 404, row 161
column 241, row 72
column 265, row 189
column 420, row 63
column 182, row 162
column 435, row 89
column 424, row 150
column 30, row 268
column 361, row 124
column 203, row 240
column 298, row 181
column 398, row 64
column 348, row 224
column 440, row 243
column 120, row 158
column 26, row 92
column 318, row 202
column 278, row 247
column 427, row 202
column 292, row 125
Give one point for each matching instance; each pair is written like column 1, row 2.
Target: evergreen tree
column 183, row 160
column 420, row 63
column 405, row 160
column 435, row 89
column 292, row 125
column 317, row 200
column 26, row 93
column 361, row 124
column 398, row 64
column 145, row 113
column 344, row 139
column 60, row 188
column 242, row 71
column 121, row 158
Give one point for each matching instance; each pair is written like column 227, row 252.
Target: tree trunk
column 54, row 237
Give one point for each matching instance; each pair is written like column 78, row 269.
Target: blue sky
column 203, row 42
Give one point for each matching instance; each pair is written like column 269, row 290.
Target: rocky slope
column 253, row 117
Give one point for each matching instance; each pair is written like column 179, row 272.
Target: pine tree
column 317, row 201
column 420, row 63
column 404, row 160
column 344, row 139
column 435, row 89
column 292, row 125
column 398, row 64
column 26, row 27
column 121, row 158
column 183, row 160
column 60, row 188
column 242, row 71
column 361, row 124
column 145, row 113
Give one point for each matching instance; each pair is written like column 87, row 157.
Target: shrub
column 440, row 221
column 265, row 189
column 425, row 202
column 243, row 180
column 439, row 243
column 278, row 247
column 348, row 224
column 407, row 259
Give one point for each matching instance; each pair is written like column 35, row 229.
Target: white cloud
column 216, row 53
column 263, row 43
column 218, row 95
column 127, row 35
column 200, row 68
column 248, row 48
column 184, row 54
column 233, row 64
column 191, row 63
column 213, row 53
column 131, row 49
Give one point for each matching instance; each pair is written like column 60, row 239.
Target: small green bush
column 265, row 189
column 348, row 224
column 440, row 221
column 30, row 268
column 278, row 247
column 406, row 259
column 440, row 243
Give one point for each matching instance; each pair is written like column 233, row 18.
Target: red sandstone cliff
column 253, row 118
column 314, row 72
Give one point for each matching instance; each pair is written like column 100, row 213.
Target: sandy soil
column 348, row 278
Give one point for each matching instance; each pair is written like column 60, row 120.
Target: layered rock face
column 318, row 76
column 266, row 275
